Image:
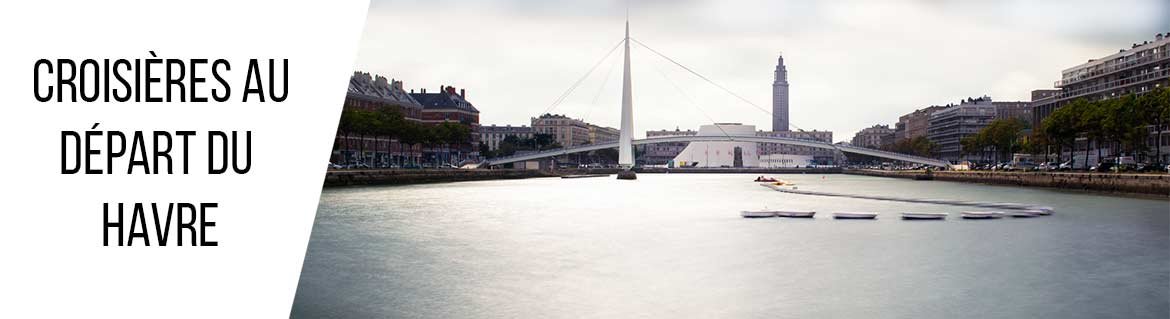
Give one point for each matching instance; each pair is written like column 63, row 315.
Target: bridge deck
column 757, row 139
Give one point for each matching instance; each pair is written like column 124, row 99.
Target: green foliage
column 1003, row 137
column 388, row 121
column 1119, row 122
column 920, row 146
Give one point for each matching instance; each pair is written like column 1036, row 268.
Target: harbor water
column 674, row 245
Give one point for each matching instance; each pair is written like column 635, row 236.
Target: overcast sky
column 852, row 64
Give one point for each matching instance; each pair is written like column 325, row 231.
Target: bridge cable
column 741, row 98
column 691, row 101
column 561, row 98
column 600, row 89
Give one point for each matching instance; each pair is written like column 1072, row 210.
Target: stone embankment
column 1152, row 184
column 348, row 177
column 420, row 176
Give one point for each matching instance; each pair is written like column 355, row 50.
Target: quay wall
column 420, row 176
column 753, row 170
column 1152, row 184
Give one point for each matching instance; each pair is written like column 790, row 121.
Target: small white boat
column 795, row 213
column 1025, row 213
column 981, row 215
column 854, row 215
column 1044, row 210
column 924, row 216
column 757, row 213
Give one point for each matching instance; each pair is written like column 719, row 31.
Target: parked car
column 1066, row 166
column 335, row 166
column 1024, row 166
column 1147, row 168
column 1102, row 167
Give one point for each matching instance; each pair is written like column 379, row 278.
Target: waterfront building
column 948, row 126
column 1141, row 68
column 820, row 155
column 1013, row 110
column 566, row 131
column 915, row 124
column 602, row 134
column 875, row 137
column 780, row 97
column 786, row 160
column 663, row 153
column 722, row 153
column 447, row 106
column 492, row 135
column 371, row 93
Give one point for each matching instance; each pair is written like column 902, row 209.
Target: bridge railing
column 550, row 152
column 757, row 139
column 892, row 155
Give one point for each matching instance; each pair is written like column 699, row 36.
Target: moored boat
column 795, row 213
column 924, row 216
column 757, row 213
column 1025, row 213
column 981, row 215
column 1043, row 210
column 854, row 215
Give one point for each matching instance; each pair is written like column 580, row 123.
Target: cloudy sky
column 852, row 64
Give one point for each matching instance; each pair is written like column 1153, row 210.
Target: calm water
column 675, row 246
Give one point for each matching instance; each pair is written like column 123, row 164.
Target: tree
column 1061, row 127
column 1092, row 119
column 1154, row 108
column 1003, row 135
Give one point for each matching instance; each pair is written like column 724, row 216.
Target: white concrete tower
column 626, row 138
column 780, row 97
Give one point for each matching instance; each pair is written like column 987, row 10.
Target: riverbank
column 1146, row 184
column 334, row 178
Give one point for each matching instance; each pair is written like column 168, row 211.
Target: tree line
column 1120, row 123
column 920, row 146
column 512, row 143
column 998, row 140
column 389, row 123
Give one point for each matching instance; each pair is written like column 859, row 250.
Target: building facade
column 780, row 97
column 602, row 134
column 1141, row 68
column 786, row 160
column 875, row 137
column 663, row 153
column 915, row 124
column 1013, row 110
column 722, row 153
column 950, row 125
column 566, row 131
column 820, row 156
column 372, row 93
column 447, row 106
column 492, row 135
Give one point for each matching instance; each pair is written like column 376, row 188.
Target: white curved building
column 721, row 154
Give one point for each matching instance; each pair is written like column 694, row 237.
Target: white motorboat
column 757, row 213
column 1025, row 213
column 854, row 215
column 924, row 216
column 981, row 215
column 795, row 213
